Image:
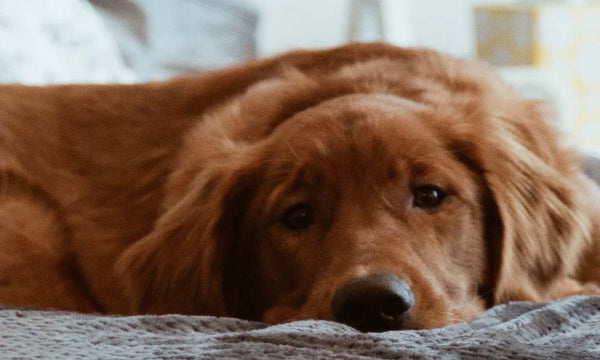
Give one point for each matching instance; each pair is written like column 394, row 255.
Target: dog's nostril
column 394, row 306
column 352, row 312
column 376, row 302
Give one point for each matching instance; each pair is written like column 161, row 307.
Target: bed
column 565, row 329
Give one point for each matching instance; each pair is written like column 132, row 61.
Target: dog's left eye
column 298, row 217
column 428, row 197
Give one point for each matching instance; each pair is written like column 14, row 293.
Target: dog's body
column 135, row 198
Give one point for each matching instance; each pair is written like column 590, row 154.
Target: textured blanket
column 567, row 329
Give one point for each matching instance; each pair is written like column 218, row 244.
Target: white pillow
column 164, row 38
column 58, row 41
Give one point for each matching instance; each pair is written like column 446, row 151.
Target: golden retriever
column 382, row 187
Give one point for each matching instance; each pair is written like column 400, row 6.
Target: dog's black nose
column 377, row 302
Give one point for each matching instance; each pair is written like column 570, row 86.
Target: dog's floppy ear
column 532, row 182
column 191, row 261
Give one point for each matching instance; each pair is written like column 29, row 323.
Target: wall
column 446, row 25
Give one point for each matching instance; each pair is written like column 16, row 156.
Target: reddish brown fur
column 166, row 197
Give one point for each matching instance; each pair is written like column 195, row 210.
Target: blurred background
column 548, row 50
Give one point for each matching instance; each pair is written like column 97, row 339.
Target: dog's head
column 409, row 205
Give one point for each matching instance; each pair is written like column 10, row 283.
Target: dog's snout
column 377, row 302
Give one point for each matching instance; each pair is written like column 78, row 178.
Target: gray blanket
column 567, row 329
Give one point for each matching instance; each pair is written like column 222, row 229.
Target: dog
column 382, row 187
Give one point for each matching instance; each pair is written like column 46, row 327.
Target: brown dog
column 382, row 187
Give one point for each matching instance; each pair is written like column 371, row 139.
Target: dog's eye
column 298, row 217
column 428, row 197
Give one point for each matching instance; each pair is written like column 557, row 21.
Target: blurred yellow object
column 554, row 38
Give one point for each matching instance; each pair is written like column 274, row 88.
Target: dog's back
column 82, row 169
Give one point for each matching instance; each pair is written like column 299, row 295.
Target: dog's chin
column 462, row 313
column 454, row 314
column 281, row 314
column 436, row 320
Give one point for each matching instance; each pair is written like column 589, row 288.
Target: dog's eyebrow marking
column 361, row 270
column 322, row 149
column 387, row 202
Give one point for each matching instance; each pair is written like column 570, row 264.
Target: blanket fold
column 565, row 329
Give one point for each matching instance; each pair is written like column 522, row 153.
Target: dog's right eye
column 428, row 197
column 298, row 217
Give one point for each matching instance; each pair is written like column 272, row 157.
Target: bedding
column 565, row 329
column 44, row 42
column 160, row 39
column 106, row 41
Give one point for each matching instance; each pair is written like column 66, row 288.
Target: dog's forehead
column 367, row 140
column 365, row 127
